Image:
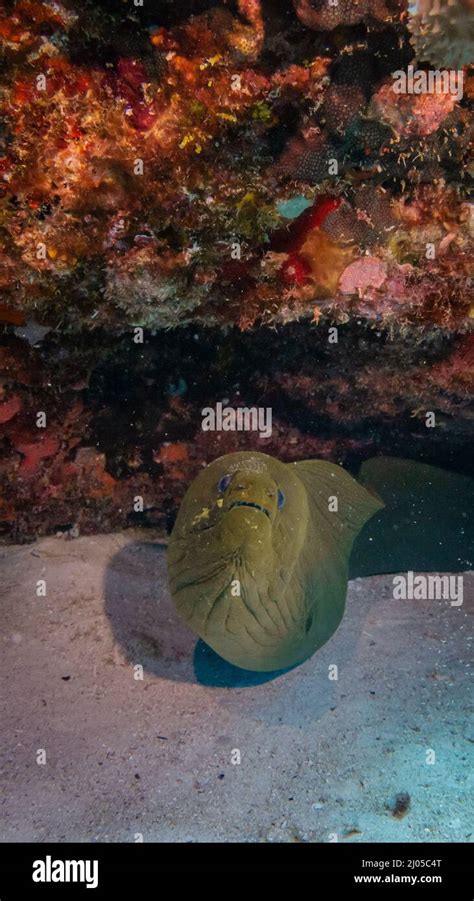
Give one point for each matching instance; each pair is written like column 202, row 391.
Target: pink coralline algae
column 192, row 195
column 413, row 114
column 368, row 272
column 127, row 178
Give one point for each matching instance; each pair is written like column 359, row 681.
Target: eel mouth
column 250, row 504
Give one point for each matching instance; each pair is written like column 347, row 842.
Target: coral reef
column 443, row 31
column 225, row 168
column 122, row 431
column 322, row 15
column 142, row 177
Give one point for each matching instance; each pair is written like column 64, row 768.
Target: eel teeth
column 250, row 504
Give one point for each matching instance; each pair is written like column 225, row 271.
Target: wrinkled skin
column 258, row 564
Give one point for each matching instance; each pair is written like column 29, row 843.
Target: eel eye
column 281, row 500
column 223, row 484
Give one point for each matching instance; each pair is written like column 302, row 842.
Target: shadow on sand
column 149, row 631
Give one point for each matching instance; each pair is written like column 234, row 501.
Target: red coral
column 174, row 457
column 9, row 408
column 295, row 270
column 292, row 238
column 35, row 452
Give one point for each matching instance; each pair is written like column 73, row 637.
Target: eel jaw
column 250, row 504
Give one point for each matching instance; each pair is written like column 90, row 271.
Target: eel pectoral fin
column 339, row 505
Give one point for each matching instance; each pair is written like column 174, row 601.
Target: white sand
column 125, row 756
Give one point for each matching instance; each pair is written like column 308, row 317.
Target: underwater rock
column 121, row 447
column 133, row 171
column 9, row 408
column 32, row 332
column 236, row 169
column 322, row 15
column 342, row 104
column 400, row 805
column 413, row 114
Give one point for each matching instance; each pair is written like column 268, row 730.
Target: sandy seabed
column 129, row 758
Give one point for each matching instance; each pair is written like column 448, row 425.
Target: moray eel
column 261, row 551
column 259, row 554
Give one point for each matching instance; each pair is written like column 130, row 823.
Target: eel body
column 261, row 551
column 259, row 554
